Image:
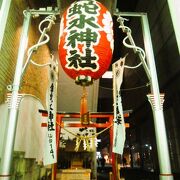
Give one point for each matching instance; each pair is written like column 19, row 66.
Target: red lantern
column 86, row 41
column 86, row 45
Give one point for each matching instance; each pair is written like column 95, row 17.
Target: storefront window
column 147, row 157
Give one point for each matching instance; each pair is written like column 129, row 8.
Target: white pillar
column 4, row 11
column 156, row 102
column 8, row 147
column 174, row 8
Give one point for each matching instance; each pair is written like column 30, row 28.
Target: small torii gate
column 107, row 115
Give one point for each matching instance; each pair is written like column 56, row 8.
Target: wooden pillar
column 58, row 132
column 111, row 145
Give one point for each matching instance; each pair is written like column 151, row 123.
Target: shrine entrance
column 93, row 115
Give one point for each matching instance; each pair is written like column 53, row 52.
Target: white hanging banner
column 119, row 125
column 50, row 155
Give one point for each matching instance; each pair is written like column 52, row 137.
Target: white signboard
column 119, row 125
column 50, row 155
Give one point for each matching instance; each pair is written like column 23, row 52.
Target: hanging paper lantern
column 86, row 41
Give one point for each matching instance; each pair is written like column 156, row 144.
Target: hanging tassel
column 84, row 114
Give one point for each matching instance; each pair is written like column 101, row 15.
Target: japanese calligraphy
column 51, row 115
column 51, row 125
column 82, row 21
column 50, row 156
column 88, row 7
column 86, row 37
column 51, row 145
column 118, row 115
column 82, row 34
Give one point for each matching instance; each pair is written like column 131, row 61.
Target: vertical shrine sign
column 86, row 39
column 119, row 133
column 50, row 155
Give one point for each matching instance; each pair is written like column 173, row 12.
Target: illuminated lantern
column 86, row 44
column 86, row 41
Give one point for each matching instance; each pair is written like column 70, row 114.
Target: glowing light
column 107, row 75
